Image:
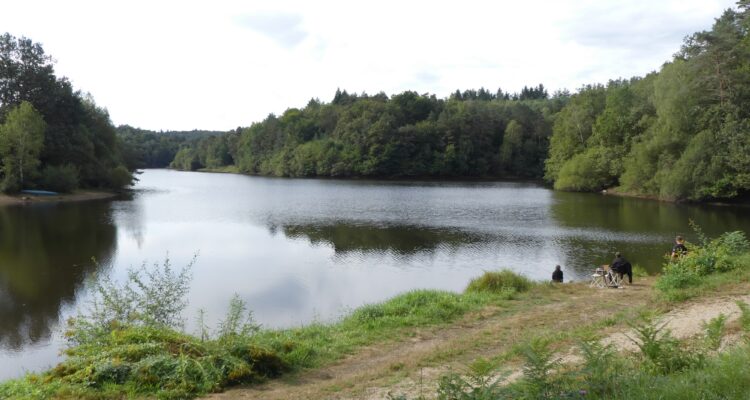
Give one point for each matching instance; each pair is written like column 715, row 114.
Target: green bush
column 59, row 178
column 499, row 282
column 128, row 345
column 662, row 353
column 120, row 177
column 719, row 255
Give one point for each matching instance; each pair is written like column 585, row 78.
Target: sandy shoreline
column 60, row 198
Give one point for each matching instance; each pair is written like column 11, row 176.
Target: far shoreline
column 77, row 196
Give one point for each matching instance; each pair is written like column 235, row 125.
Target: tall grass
column 503, row 281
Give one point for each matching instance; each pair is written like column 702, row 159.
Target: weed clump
column 129, row 344
column 417, row 307
column 499, row 282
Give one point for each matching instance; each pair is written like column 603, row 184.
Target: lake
column 298, row 250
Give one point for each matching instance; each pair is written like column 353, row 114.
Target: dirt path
column 416, row 364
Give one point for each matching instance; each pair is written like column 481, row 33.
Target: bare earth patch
column 687, row 321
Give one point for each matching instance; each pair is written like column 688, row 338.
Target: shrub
column 601, row 369
column 677, row 277
column 478, row 384
column 59, row 178
column 498, row 282
column 715, row 331
column 120, row 177
column 150, row 297
column 127, row 346
column 662, row 352
column 719, row 255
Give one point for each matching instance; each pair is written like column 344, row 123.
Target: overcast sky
column 221, row 64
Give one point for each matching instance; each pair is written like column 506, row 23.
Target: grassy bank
column 131, row 346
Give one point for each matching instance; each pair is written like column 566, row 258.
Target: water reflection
column 402, row 240
column 45, row 254
column 643, row 230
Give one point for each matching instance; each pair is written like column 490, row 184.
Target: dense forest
column 51, row 136
column 679, row 133
column 143, row 148
column 471, row 134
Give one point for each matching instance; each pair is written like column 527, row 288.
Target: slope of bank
column 563, row 314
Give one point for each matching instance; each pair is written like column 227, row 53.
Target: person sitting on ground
column 679, row 248
column 557, row 275
column 622, row 267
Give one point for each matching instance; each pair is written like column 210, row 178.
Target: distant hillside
column 143, row 148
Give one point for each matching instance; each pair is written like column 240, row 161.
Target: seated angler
column 622, row 267
column 557, row 275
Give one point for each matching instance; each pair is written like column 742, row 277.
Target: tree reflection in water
column 46, row 252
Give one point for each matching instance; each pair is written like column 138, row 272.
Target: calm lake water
column 298, row 250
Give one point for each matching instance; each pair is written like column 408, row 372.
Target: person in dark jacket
column 679, row 248
column 557, row 275
column 622, row 267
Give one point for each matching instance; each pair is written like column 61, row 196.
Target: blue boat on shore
column 39, row 192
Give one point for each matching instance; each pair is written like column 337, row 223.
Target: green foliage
column 662, row 353
column 68, row 129
column 63, row 178
column 602, row 368
column 126, row 346
column 185, row 160
column 317, row 343
column 479, row 383
column 539, row 367
column 587, row 171
column 720, row 255
column 715, row 331
column 151, row 297
column 744, row 315
column 661, row 135
column 503, row 281
column 407, row 135
column 120, row 177
column 238, row 322
column 414, row 308
column 21, row 140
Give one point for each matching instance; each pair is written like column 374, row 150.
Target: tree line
column 143, row 148
column 475, row 134
column 51, row 136
column 679, row 133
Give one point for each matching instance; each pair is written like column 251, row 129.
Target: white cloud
column 218, row 65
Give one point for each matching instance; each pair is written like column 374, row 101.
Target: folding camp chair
column 604, row 277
